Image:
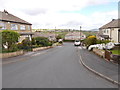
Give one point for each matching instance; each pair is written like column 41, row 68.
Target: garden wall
column 101, row 53
column 12, row 54
column 41, row 48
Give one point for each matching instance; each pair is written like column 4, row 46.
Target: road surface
column 57, row 67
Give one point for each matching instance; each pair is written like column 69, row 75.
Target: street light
column 80, row 32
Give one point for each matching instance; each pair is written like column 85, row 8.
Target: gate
column 107, row 55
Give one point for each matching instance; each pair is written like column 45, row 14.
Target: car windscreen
column 77, row 41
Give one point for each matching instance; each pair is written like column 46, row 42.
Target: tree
column 9, row 38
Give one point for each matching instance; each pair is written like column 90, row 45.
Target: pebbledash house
column 110, row 31
column 11, row 22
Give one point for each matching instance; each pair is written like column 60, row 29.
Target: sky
column 63, row 14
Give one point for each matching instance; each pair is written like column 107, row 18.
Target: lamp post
column 80, row 32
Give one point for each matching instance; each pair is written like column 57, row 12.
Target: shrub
column 102, row 41
column 33, row 41
column 58, row 37
column 68, row 40
column 10, row 38
column 42, row 41
column 26, row 44
column 91, row 40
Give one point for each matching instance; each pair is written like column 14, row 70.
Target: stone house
column 110, row 31
column 11, row 22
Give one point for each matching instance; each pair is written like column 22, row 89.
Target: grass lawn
column 117, row 52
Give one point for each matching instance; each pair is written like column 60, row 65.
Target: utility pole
column 80, row 32
column 55, row 28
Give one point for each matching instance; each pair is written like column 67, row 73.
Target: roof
column 105, row 36
column 11, row 18
column 115, row 23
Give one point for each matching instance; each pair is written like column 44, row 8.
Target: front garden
column 108, row 50
column 9, row 42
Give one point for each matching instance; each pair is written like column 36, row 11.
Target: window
column 103, row 31
column 28, row 27
column 2, row 26
column 107, row 30
column 22, row 27
column 14, row 27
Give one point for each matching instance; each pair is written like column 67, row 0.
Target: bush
column 68, row 40
column 58, row 37
column 9, row 38
column 41, row 41
column 26, row 44
column 91, row 40
column 102, row 41
column 13, row 48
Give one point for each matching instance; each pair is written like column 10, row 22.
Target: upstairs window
column 22, row 27
column 2, row 26
column 14, row 27
column 104, row 31
column 29, row 28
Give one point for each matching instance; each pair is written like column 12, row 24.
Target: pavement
column 98, row 65
column 57, row 67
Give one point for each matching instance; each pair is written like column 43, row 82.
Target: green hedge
column 68, row 40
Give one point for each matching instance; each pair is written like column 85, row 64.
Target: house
column 49, row 35
column 75, row 36
column 110, row 31
column 11, row 22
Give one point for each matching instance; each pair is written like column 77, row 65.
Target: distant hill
column 94, row 30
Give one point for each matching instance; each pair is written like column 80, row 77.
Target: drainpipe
column 111, row 33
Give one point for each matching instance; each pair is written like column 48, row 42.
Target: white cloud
column 46, row 13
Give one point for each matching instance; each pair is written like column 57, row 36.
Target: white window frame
column 3, row 26
column 15, row 27
column 22, row 27
column 28, row 27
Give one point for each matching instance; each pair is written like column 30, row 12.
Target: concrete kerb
column 97, row 73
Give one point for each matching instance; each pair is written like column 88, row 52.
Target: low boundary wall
column 101, row 53
column 11, row 54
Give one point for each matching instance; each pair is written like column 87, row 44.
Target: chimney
column 5, row 11
column 113, row 19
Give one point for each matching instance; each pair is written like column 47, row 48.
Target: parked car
column 77, row 43
column 60, row 40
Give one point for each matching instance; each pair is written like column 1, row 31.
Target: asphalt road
column 57, row 67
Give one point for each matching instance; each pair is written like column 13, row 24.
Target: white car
column 60, row 40
column 77, row 43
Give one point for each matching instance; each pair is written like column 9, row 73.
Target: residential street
column 57, row 67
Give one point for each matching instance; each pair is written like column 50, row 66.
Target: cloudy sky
column 69, row 14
